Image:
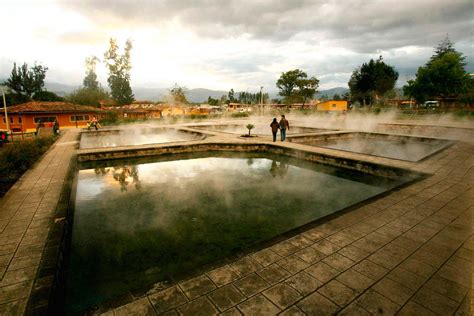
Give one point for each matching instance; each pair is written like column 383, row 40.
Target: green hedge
column 17, row 157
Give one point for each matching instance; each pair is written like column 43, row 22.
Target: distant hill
column 193, row 95
column 201, row 95
column 331, row 92
column 151, row 94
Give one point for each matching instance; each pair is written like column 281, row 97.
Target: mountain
column 150, row 94
column 331, row 92
column 201, row 95
column 193, row 95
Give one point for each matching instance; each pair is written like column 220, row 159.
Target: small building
column 198, row 111
column 24, row 117
column 172, row 111
column 332, row 105
column 237, row 106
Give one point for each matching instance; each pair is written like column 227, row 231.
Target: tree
column 119, row 67
column 231, row 95
column 212, row 101
column 295, row 86
column 443, row 76
column 250, row 127
column 177, row 94
column 307, row 88
column 223, row 100
column 86, row 96
column 346, row 96
column 90, row 80
column 287, row 83
column 372, row 80
column 47, row 96
column 336, row 97
column 27, row 81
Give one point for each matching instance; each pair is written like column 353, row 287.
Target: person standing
column 284, row 125
column 275, row 127
column 56, row 127
column 38, row 127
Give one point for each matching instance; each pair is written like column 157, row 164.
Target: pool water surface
column 141, row 222
column 132, row 136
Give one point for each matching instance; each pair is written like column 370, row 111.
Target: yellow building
column 332, row 105
column 172, row 111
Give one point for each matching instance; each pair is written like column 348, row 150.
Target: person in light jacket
column 284, row 125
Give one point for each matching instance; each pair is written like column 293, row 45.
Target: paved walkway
column 27, row 216
column 409, row 252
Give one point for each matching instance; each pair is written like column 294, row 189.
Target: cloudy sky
column 240, row 44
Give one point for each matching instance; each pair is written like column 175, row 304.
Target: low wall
column 371, row 167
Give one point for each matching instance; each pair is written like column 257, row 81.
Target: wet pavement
column 408, row 253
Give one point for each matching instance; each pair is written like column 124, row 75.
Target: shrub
column 17, row 157
column 240, row 114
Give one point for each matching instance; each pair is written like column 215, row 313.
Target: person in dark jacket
column 275, row 127
column 56, row 127
column 284, row 125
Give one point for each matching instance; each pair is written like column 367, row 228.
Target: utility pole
column 261, row 98
column 5, row 108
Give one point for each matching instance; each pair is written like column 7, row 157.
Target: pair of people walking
column 283, row 125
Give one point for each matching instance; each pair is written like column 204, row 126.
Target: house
column 198, row 111
column 137, row 110
column 24, row 117
column 172, row 111
column 332, row 105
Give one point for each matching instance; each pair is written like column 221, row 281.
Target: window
column 11, row 120
column 19, row 120
column 44, row 119
column 4, row 120
column 334, row 105
column 79, row 118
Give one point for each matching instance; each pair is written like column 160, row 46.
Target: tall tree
column 295, row 86
column 287, row 83
column 307, row 87
column 372, row 80
column 443, row 76
column 231, row 95
column 177, row 94
column 119, row 66
column 90, row 80
column 27, row 81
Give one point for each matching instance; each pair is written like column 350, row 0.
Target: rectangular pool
column 382, row 145
column 145, row 221
column 134, row 136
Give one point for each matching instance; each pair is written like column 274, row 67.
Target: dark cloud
column 364, row 29
column 361, row 25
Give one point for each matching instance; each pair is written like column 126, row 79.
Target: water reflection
column 198, row 210
column 122, row 174
column 279, row 169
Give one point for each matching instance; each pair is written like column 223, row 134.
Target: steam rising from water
column 134, row 136
column 138, row 224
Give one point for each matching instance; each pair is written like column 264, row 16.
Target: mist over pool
column 140, row 223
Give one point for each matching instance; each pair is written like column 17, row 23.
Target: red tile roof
column 50, row 107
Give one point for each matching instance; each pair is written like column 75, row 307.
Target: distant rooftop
column 48, row 107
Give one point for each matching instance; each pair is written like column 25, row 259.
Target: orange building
column 24, row 117
column 332, row 105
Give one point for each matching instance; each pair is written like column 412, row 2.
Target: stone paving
column 408, row 253
column 27, row 217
